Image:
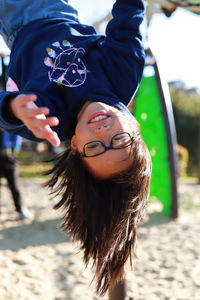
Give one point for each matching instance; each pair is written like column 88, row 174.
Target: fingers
column 34, row 111
column 21, row 102
column 35, row 118
column 23, row 107
column 41, row 128
column 38, row 122
column 48, row 134
column 24, row 99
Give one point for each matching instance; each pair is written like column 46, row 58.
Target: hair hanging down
column 103, row 214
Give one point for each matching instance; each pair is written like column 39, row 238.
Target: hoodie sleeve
column 7, row 122
column 123, row 47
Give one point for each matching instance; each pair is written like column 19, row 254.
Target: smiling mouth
column 98, row 117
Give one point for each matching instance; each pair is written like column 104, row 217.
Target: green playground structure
column 153, row 110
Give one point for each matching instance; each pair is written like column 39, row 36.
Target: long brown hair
column 103, row 214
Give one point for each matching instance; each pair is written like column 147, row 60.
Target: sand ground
column 37, row 261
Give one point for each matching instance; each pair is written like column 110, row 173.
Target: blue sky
column 174, row 41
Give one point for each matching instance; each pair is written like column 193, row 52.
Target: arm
column 123, row 47
column 124, row 29
column 17, row 110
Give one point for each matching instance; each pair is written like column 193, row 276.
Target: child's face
column 100, row 122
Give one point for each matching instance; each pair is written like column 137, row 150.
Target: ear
column 73, row 145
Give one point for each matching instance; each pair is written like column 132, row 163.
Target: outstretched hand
column 35, row 118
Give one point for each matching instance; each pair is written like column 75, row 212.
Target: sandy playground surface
column 37, row 261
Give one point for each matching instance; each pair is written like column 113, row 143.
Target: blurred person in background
column 9, row 145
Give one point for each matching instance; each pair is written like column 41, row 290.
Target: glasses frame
column 106, row 148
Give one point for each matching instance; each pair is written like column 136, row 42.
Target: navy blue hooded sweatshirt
column 66, row 63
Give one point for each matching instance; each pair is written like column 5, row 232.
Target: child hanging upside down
column 69, row 82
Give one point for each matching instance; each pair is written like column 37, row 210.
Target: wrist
column 8, row 112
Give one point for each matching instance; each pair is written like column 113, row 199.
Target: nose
column 102, row 128
column 101, row 132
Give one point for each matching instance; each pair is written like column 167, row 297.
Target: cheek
column 130, row 124
column 82, row 135
column 78, row 135
column 125, row 124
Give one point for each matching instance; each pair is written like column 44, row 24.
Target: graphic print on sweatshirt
column 67, row 67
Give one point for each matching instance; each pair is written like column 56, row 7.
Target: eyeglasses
column 118, row 141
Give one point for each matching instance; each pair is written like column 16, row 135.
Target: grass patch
column 34, row 170
column 32, row 164
column 188, row 179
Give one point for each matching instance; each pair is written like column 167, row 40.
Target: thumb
column 24, row 99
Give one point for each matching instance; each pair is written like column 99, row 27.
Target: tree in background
column 186, row 106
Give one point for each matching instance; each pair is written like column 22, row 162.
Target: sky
column 174, row 41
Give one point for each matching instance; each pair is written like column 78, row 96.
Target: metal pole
column 171, row 138
column 0, row 200
column 118, row 292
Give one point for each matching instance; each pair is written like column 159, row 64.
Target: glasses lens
column 121, row 140
column 94, row 148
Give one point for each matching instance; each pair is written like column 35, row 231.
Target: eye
column 118, row 138
column 92, row 146
column 121, row 140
